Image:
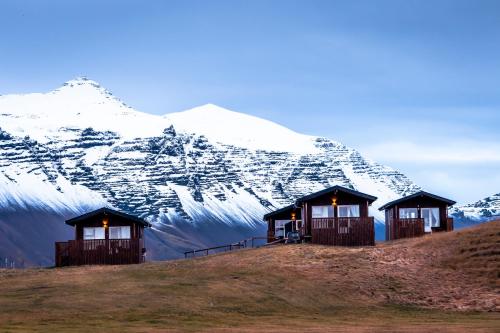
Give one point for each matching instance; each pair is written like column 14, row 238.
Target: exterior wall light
column 105, row 221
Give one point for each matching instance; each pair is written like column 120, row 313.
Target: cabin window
column 119, row 232
column 348, row 210
column 279, row 228
column 322, row 211
column 408, row 213
column 93, row 233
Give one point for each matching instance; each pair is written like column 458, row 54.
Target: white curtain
column 435, row 217
column 322, row 211
column 348, row 210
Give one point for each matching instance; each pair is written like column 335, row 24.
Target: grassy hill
column 447, row 282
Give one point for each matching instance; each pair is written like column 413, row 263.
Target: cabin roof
column 279, row 211
column 334, row 189
column 416, row 195
column 109, row 211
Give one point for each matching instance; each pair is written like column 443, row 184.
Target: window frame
column 94, row 233
column 348, row 210
column 329, row 210
column 408, row 208
column 120, row 228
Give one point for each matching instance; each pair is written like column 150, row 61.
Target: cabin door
column 431, row 218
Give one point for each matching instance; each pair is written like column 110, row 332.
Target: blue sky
column 412, row 84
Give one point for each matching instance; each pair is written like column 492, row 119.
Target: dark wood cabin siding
column 404, row 228
column 341, row 199
column 136, row 230
column 339, row 231
column 102, row 251
column 270, row 229
column 287, row 215
column 425, row 202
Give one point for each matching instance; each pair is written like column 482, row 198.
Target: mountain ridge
column 202, row 176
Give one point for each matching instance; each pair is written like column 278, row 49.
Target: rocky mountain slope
column 202, row 177
column 482, row 210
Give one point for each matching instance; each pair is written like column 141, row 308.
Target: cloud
column 461, row 152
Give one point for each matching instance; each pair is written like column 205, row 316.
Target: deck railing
column 99, row 252
column 343, row 231
column 408, row 228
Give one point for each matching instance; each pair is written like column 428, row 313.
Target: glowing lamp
column 105, row 221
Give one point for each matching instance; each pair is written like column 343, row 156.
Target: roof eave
column 73, row 221
column 368, row 197
column 415, row 195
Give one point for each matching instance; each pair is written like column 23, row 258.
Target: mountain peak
column 80, row 81
column 211, row 107
column 234, row 128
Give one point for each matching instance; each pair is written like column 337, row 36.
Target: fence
column 11, row 262
column 249, row 242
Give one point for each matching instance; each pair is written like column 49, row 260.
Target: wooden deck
column 344, row 231
column 414, row 227
column 408, row 228
column 99, row 252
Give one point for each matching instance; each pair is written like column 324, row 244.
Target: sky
column 411, row 84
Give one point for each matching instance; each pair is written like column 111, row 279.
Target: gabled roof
column 108, row 211
column 334, row 189
column 416, row 195
column 279, row 211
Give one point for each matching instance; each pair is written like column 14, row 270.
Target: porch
column 343, row 231
column 99, row 252
column 414, row 227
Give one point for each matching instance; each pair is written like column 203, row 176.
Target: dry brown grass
column 446, row 282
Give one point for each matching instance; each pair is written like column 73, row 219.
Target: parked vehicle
column 293, row 237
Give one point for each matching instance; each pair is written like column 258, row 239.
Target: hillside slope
column 442, row 282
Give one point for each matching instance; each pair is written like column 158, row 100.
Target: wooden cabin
column 103, row 237
column 417, row 214
column 283, row 221
column 334, row 216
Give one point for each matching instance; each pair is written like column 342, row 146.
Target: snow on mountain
column 79, row 103
column 481, row 210
column 238, row 129
column 204, row 175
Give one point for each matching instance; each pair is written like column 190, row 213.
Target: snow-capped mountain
column 484, row 209
column 202, row 176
